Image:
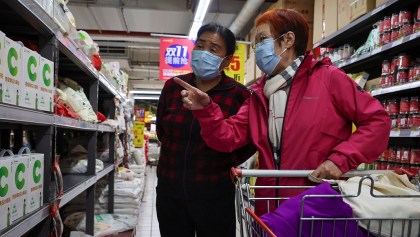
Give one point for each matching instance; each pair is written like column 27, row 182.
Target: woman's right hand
column 192, row 97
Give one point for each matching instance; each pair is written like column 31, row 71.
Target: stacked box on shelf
column 2, row 62
column 12, row 75
column 19, row 186
column 31, row 79
column 5, row 191
column 47, row 85
column 35, row 181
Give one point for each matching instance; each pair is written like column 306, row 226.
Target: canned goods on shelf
column 386, row 67
column 392, row 154
column 417, row 71
column 410, row 121
column 404, row 17
column 414, row 104
column 402, row 77
column 394, row 21
column 404, row 105
column 402, row 121
column 394, row 121
column 416, row 120
column 415, row 156
column 418, row 14
column 386, row 38
column 404, row 61
column 398, row 155
column 381, row 26
column 406, row 29
column 416, row 26
column 394, row 63
column 411, row 77
column 405, row 155
column 387, row 23
column 394, row 34
column 394, row 106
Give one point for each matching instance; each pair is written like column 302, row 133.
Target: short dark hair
column 225, row 33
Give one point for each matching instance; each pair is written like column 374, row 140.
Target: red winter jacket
column 322, row 104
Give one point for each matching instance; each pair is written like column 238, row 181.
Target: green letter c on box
column 3, row 190
column 12, row 54
column 37, row 177
column 46, row 68
column 20, row 169
column 31, row 61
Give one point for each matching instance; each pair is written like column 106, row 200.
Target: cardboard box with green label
column 6, row 189
column 2, row 36
column 31, row 80
column 12, row 59
column 19, row 186
column 35, row 181
column 46, row 71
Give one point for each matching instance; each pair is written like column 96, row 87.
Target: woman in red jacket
column 300, row 113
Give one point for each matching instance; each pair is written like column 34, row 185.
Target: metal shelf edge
column 355, row 23
column 105, row 171
column 404, row 133
column 105, row 128
column 66, row 122
column 378, row 50
column 23, row 115
column 393, row 89
column 72, row 193
column 27, row 223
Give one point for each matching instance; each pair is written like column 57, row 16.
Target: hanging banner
column 175, row 56
column 236, row 67
column 138, row 131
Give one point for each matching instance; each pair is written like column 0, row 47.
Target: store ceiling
column 122, row 29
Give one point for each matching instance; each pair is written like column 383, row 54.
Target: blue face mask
column 205, row 65
column 265, row 56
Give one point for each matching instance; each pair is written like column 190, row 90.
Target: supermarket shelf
column 404, row 87
column 76, row 55
column 363, row 23
column 27, row 222
column 35, row 16
column 75, row 184
column 405, row 133
column 66, row 122
column 106, row 84
column 16, row 114
column 376, row 54
column 105, row 128
column 108, row 167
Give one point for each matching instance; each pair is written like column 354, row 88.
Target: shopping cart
column 251, row 225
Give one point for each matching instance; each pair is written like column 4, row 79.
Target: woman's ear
column 227, row 61
column 290, row 39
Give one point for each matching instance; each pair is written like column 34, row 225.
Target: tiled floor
column 148, row 225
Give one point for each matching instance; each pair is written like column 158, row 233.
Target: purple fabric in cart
column 284, row 221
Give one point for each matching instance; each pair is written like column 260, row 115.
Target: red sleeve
column 224, row 135
column 372, row 121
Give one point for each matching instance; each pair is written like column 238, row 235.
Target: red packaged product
column 394, row 21
column 386, row 38
column 387, row 23
column 414, row 104
column 381, row 27
column 406, row 29
column 394, row 34
column 404, row 17
column 415, row 156
column 405, row 155
column 394, row 106
column 404, row 105
column 402, row 76
column 411, row 77
column 402, row 121
column 386, row 67
column 394, row 121
column 404, row 61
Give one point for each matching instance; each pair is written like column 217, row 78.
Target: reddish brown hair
column 284, row 20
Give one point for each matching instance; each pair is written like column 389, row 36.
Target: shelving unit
column 26, row 18
column 356, row 33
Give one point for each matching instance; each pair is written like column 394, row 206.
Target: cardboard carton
column 47, row 85
column 5, row 189
column 2, row 61
column 35, row 181
column 12, row 59
column 31, row 80
column 325, row 19
column 343, row 13
column 19, row 186
column 360, row 7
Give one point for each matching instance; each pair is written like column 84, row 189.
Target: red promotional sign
column 175, row 56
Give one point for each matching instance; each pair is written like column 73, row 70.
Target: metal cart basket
column 251, row 225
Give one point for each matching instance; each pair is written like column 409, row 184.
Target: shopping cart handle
column 238, row 173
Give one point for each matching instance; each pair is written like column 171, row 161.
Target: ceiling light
column 145, row 92
column 146, row 97
column 198, row 18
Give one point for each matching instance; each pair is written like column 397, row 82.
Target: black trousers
column 206, row 218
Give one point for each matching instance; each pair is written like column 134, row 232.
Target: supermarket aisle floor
column 148, row 225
